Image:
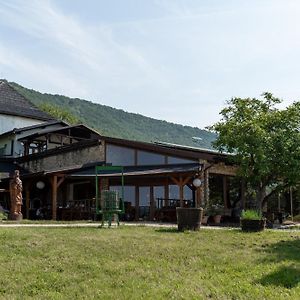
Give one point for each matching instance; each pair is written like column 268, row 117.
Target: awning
column 141, row 171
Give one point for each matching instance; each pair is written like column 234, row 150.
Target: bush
column 296, row 218
column 3, row 216
column 251, row 215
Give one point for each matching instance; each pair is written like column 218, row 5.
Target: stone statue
column 16, row 198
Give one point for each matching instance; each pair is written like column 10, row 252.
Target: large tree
column 265, row 141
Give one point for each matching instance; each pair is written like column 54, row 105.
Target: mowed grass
column 148, row 263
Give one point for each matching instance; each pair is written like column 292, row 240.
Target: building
column 16, row 111
column 57, row 163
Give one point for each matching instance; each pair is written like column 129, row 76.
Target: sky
column 175, row 60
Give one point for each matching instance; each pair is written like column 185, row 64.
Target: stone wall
column 65, row 160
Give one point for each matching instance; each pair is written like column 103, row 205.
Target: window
column 177, row 160
column 129, row 193
column 149, row 158
column 119, row 156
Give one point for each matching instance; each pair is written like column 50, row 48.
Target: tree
column 265, row 141
column 59, row 113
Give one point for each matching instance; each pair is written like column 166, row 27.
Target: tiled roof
column 13, row 103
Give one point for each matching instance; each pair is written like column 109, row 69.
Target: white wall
column 8, row 122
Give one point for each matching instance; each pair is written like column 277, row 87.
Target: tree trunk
column 260, row 196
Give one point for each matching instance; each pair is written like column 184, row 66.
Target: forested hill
column 118, row 123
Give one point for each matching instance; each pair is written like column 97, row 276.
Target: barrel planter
column 253, row 225
column 189, row 218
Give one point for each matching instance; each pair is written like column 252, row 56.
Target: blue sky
column 167, row 59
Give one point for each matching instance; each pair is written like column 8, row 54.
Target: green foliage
column 118, row 123
column 3, row 216
column 214, row 210
column 59, row 113
column 265, row 139
column 148, row 263
column 251, row 214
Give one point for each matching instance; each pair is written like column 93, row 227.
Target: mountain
column 119, row 123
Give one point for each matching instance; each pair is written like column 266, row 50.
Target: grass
column 148, row 263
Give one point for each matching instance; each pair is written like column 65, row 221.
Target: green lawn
column 148, row 263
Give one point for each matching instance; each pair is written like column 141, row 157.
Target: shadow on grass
column 285, row 276
column 170, row 230
column 284, row 250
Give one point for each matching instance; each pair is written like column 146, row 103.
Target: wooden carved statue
column 16, row 197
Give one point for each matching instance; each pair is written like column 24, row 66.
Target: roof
column 41, row 125
column 141, row 170
column 13, row 103
column 80, row 131
column 189, row 148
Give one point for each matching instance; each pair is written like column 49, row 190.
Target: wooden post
column 137, row 203
column 152, row 203
column 181, row 195
column 54, row 197
column 225, row 198
column 206, row 186
column 166, row 193
column 27, row 195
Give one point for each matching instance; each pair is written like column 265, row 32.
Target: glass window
column 187, row 193
column 177, row 160
column 129, row 193
column 144, row 193
column 149, row 158
column 144, row 209
column 174, row 191
column 119, row 156
column 159, row 192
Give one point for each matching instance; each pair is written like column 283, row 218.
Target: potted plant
column 252, row 220
column 216, row 211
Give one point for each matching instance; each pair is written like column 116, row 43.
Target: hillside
column 118, row 123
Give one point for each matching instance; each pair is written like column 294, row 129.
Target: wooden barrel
column 189, row 218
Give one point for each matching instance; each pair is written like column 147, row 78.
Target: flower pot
column 217, row 219
column 189, row 218
column 204, row 220
column 253, row 225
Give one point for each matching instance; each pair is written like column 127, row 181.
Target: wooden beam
column 61, row 180
column 176, row 181
column 54, row 197
column 186, row 180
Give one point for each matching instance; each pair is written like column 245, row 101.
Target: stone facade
column 65, row 160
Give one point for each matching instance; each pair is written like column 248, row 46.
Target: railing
column 171, row 202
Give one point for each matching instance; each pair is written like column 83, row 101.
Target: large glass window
column 159, row 194
column 144, row 209
column 129, row 193
column 119, row 156
column 187, row 193
column 173, row 191
column 177, row 160
column 149, row 158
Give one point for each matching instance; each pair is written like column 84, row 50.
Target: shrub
column 251, row 215
column 3, row 216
